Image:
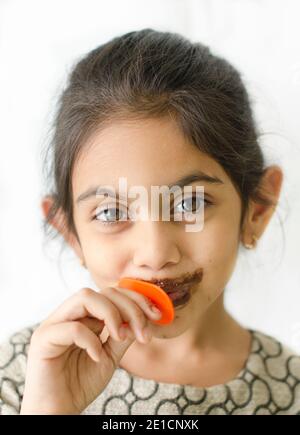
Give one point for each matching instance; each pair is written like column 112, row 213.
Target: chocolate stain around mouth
column 170, row 285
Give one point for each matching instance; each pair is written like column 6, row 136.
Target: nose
column 156, row 247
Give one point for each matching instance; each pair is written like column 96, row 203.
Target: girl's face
column 153, row 152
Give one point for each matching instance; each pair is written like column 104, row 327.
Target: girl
column 158, row 110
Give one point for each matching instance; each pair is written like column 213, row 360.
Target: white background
column 39, row 42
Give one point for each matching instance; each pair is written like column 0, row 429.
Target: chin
column 179, row 325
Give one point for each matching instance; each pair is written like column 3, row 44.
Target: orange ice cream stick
column 157, row 296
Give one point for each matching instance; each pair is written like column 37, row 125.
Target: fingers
column 134, row 309
column 87, row 302
column 145, row 303
column 116, row 350
column 55, row 339
column 112, row 307
column 95, row 325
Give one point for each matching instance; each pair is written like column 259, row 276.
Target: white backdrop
column 39, row 41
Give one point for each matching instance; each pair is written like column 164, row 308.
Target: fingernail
column 123, row 332
column 155, row 310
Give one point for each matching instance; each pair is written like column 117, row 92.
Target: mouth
column 179, row 290
column 181, row 296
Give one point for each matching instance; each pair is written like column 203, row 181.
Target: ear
column 258, row 215
column 60, row 224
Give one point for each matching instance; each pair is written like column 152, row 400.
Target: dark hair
column 149, row 73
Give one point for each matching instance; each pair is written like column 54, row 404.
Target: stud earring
column 82, row 263
column 253, row 244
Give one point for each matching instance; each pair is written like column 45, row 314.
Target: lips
column 181, row 295
column 172, row 285
column 179, row 290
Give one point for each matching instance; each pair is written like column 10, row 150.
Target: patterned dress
column 268, row 384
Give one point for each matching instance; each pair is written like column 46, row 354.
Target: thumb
column 116, row 349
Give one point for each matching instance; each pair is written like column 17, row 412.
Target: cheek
column 215, row 249
column 105, row 259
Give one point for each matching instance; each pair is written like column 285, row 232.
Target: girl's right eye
column 110, row 216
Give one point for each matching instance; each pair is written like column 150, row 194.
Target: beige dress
column 268, row 384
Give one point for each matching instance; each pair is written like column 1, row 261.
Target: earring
column 253, row 244
column 82, row 263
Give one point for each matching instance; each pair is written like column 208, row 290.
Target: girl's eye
column 192, row 204
column 110, row 216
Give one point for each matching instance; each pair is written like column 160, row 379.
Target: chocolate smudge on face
column 169, row 284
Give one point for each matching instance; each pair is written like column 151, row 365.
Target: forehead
column 151, row 151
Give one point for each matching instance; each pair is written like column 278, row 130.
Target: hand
column 68, row 364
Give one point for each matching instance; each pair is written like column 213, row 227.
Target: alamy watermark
column 168, row 197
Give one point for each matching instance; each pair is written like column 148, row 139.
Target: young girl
column 158, row 110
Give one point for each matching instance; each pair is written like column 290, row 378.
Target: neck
column 216, row 329
column 217, row 348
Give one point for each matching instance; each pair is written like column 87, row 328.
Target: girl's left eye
column 194, row 203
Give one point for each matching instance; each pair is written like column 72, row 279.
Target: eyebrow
column 183, row 181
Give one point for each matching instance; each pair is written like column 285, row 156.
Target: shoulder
column 13, row 357
column 279, row 358
column 274, row 369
